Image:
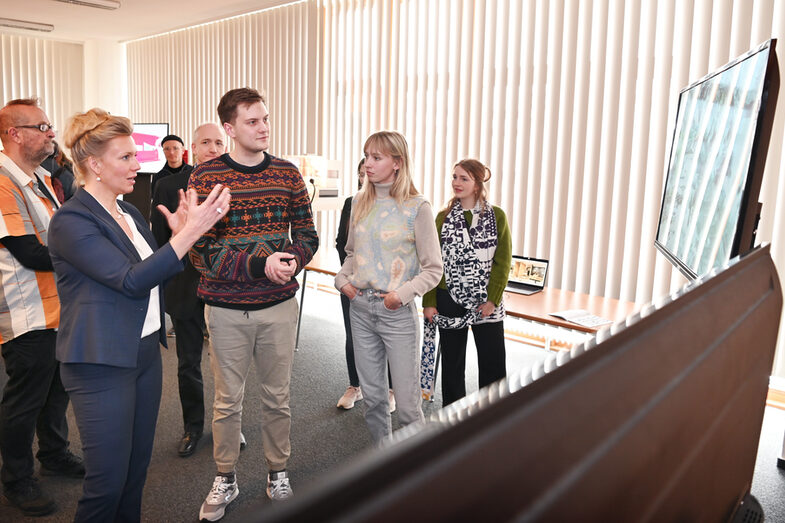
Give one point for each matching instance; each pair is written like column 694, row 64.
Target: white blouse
column 152, row 321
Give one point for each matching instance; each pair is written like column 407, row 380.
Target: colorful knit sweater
column 268, row 200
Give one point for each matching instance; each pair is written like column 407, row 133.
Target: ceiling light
column 100, row 4
column 24, row 24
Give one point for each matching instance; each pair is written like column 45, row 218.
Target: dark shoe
column 68, row 465
column 27, row 497
column 188, row 444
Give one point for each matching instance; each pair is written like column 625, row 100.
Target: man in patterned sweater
column 247, row 263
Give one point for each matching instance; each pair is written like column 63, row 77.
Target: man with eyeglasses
column 34, row 400
column 173, row 151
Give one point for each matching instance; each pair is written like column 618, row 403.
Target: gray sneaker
column 222, row 493
column 278, row 487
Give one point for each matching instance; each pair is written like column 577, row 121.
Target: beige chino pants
column 237, row 338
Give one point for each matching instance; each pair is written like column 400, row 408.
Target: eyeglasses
column 43, row 127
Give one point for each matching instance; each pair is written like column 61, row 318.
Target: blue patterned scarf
column 468, row 257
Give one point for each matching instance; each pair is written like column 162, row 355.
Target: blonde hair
column 479, row 173
column 87, row 134
column 392, row 144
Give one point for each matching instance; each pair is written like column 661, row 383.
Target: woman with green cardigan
column 477, row 253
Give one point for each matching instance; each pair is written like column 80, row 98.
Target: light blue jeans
column 380, row 336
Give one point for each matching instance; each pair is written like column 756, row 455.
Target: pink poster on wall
column 147, row 137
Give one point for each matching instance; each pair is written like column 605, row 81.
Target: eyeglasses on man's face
column 43, row 127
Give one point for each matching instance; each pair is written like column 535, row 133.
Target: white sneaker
column 222, row 493
column 351, row 395
column 278, row 487
column 391, row 399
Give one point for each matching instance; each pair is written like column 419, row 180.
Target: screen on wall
column 719, row 147
column 150, row 154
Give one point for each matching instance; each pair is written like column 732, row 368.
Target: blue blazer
column 103, row 284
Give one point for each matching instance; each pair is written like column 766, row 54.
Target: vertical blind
column 570, row 103
column 179, row 77
column 50, row 70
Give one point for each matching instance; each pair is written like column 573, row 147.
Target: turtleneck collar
column 382, row 189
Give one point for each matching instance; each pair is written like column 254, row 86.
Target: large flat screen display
column 150, row 154
column 719, row 147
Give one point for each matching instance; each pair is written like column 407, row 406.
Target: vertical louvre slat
column 564, row 118
column 630, row 88
column 612, row 56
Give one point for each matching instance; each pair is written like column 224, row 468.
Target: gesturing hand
column 202, row 217
column 177, row 219
column 191, row 220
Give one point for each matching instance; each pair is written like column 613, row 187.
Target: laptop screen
column 528, row 271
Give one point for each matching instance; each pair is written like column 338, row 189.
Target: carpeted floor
column 323, row 436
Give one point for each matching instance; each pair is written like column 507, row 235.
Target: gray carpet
column 323, row 437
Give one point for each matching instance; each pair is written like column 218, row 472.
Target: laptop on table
column 527, row 275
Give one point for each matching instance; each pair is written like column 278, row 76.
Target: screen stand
column 781, row 458
column 748, row 511
column 758, row 211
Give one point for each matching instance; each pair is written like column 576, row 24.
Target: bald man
column 34, row 400
column 209, row 142
column 182, row 304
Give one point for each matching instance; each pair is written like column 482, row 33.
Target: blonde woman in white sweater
column 392, row 255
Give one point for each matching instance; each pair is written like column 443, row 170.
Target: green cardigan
column 502, row 258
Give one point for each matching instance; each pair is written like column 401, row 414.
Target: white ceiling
column 134, row 19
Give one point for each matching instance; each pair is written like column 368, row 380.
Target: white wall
column 105, row 76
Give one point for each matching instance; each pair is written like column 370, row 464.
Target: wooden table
column 325, row 262
column 536, row 307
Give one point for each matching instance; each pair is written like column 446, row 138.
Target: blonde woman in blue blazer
column 109, row 278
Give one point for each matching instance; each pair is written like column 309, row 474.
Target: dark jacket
column 103, row 284
column 166, row 172
column 180, row 292
column 343, row 229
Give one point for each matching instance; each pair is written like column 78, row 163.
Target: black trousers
column 354, row 380
column 34, row 401
column 491, row 354
column 189, row 343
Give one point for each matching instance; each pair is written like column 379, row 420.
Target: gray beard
column 36, row 157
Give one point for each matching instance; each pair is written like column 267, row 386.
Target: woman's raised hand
column 202, row 217
column 177, row 219
column 191, row 220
